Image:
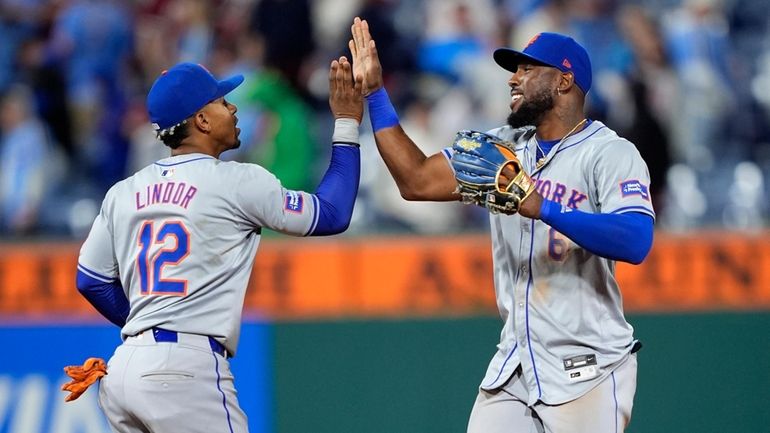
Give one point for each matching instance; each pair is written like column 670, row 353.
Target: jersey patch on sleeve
column 634, row 187
column 294, row 202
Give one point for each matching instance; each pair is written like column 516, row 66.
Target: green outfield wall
column 705, row 373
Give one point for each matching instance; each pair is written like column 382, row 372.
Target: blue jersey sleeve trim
column 107, row 298
column 617, row 236
column 184, row 162
column 336, row 194
column 316, row 213
column 96, row 275
column 448, row 152
column 628, row 209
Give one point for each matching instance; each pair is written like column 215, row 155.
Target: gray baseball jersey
column 562, row 308
column 606, row 408
column 181, row 235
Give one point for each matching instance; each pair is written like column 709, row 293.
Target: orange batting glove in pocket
column 83, row 376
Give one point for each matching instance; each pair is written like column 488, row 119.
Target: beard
column 532, row 111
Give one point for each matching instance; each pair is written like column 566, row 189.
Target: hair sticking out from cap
column 169, row 131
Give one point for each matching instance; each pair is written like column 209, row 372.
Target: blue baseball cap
column 183, row 90
column 551, row 49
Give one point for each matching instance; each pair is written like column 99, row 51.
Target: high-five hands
column 345, row 94
column 366, row 62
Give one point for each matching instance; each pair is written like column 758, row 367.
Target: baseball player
column 169, row 256
column 566, row 360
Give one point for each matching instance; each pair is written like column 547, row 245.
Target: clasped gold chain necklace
column 541, row 161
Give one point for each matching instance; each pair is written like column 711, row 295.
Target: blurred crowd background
column 688, row 81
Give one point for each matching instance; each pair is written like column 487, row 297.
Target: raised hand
column 345, row 96
column 366, row 62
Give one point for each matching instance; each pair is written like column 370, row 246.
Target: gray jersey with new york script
column 181, row 235
column 562, row 307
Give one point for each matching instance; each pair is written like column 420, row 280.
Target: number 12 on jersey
column 150, row 264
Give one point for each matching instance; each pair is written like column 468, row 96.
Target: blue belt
column 166, row 336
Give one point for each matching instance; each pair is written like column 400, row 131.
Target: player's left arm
column 107, row 297
column 626, row 237
column 623, row 230
column 97, row 277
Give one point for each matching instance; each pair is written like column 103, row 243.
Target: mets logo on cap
column 532, row 40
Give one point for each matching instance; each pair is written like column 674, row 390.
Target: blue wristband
column 549, row 208
column 381, row 111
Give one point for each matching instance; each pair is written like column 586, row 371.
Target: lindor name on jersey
column 176, row 193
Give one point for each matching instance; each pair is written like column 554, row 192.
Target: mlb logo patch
column 294, row 202
column 167, row 173
column 634, row 187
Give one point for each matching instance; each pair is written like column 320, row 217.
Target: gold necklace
column 541, row 161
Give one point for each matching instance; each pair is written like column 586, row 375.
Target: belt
column 166, row 336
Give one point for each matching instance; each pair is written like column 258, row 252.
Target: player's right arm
column 97, row 277
column 419, row 177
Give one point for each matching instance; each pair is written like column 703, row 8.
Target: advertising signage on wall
column 31, row 376
column 374, row 277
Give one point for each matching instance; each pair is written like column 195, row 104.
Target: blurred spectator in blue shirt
column 452, row 39
column 24, row 151
column 697, row 37
column 196, row 35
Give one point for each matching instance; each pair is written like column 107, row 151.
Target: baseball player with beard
column 169, row 256
column 579, row 202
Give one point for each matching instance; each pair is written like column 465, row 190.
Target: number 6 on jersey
column 150, row 265
column 558, row 245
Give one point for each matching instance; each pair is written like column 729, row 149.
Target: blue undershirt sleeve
column 108, row 298
column 337, row 191
column 626, row 237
